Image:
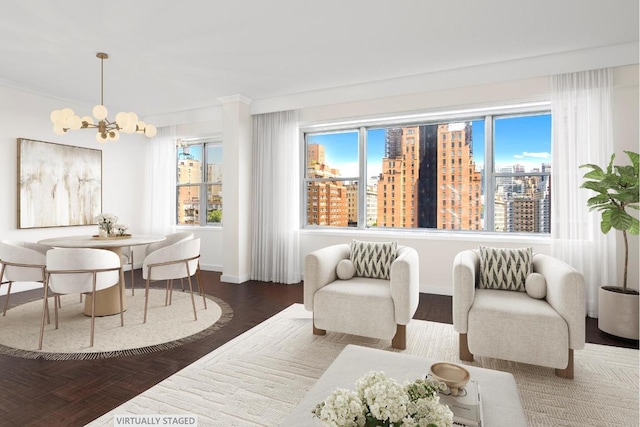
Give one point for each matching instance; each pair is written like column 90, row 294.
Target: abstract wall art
column 58, row 185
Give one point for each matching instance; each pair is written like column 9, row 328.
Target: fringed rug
column 259, row 377
column 167, row 327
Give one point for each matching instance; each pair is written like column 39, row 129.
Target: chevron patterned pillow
column 373, row 259
column 502, row 268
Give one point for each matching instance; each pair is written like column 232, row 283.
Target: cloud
column 518, row 156
column 542, row 155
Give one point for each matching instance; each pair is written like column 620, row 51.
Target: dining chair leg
column 133, row 288
column 168, row 293
column 121, row 306
column 93, row 307
column 55, row 311
column 201, row 286
column 146, row 299
column 44, row 307
column 6, row 301
column 193, row 301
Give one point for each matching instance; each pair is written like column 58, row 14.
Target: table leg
column 108, row 300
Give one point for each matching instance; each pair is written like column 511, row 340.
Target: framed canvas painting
column 58, row 185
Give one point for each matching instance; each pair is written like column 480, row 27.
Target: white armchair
column 375, row 308
column 511, row 325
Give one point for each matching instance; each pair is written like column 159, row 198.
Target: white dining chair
column 170, row 239
column 177, row 261
column 81, row 271
column 21, row 262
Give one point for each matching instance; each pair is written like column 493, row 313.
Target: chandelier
column 66, row 119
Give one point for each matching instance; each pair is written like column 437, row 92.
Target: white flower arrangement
column 381, row 401
column 120, row 229
column 107, row 224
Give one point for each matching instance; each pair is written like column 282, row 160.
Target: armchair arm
column 320, row 269
column 565, row 293
column 466, row 267
column 405, row 290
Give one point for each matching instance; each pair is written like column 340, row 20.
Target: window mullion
column 362, row 185
column 489, row 181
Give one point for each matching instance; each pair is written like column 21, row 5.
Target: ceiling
column 171, row 56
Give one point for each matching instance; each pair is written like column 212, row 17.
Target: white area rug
column 166, row 327
column 259, row 377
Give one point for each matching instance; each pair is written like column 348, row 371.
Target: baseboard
column 234, row 279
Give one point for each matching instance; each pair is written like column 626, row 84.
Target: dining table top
column 89, row 241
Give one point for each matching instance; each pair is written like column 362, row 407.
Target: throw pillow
column 373, row 259
column 345, row 269
column 502, row 268
column 536, row 286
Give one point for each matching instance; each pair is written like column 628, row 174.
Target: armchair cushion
column 504, row 268
column 373, row 259
column 345, row 269
column 536, row 286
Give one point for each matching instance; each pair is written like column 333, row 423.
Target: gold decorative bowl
column 454, row 376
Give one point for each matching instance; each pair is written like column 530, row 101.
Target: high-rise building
column 189, row 170
column 327, row 200
column 372, row 202
column 459, row 184
column 397, row 184
column 429, row 179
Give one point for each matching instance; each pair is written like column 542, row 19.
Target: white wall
column 24, row 114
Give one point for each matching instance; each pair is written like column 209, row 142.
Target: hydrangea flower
column 381, row 401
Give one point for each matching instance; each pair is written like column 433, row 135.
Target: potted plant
column 617, row 189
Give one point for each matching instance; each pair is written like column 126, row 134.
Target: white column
column 236, row 191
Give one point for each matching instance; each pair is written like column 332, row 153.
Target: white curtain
column 160, row 189
column 276, row 198
column 582, row 133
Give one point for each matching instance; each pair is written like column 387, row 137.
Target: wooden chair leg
column 399, row 341
column 568, row 371
column 464, row 352
column 317, row 331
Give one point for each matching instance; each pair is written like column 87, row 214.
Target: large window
column 482, row 172
column 199, row 183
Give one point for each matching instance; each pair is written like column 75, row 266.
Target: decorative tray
column 98, row 237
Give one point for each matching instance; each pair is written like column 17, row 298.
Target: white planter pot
column 618, row 313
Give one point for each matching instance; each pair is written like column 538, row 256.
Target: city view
column 433, row 176
column 194, row 180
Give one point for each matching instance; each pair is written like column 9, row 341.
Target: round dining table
column 107, row 300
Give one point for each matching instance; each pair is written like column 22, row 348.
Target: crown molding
column 235, row 98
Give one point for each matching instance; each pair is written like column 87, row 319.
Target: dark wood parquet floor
column 73, row 393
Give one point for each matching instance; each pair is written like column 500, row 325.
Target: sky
column 518, row 140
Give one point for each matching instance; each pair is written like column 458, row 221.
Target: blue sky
column 518, row 140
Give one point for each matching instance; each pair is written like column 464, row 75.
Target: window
column 199, row 183
column 498, row 177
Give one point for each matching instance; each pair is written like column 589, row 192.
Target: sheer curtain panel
column 159, row 197
column 582, row 133
column 276, row 198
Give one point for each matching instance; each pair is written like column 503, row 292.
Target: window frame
column 487, row 113
column 205, row 182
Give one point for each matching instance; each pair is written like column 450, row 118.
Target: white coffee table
column 500, row 399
